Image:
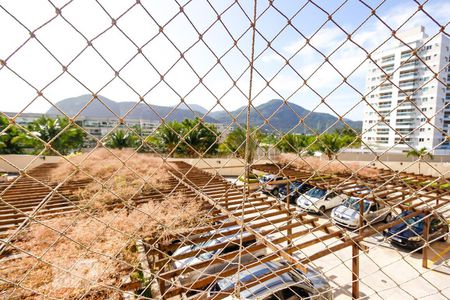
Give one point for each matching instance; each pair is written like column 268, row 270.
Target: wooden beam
column 355, row 271
column 426, row 233
column 245, row 226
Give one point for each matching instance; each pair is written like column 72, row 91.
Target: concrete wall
column 426, row 168
column 224, row 166
column 392, row 157
column 235, row 167
column 13, row 162
column 438, row 166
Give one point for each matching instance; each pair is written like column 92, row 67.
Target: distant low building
column 97, row 128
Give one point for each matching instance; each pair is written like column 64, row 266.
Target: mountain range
column 282, row 117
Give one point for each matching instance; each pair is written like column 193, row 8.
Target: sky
column 59, row 62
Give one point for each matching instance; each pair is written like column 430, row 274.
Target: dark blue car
column 412, row 237
column 296, row 188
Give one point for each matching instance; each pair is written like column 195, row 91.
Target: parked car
column 412, row 237
column 318, row 200
column 296, row 188
column 272, row 189
column 347, row 214
column 206, row 255
column 290, row 285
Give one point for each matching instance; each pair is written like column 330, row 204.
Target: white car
column 347, row 214
column 319, row 200
column 199, row 256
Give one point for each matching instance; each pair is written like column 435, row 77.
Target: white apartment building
column 412, row 109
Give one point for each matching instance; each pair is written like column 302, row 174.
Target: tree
column 269, row 139
column 199, row 137
column 295, row 143
column 120, row 139
column 189, row 137
column 420, row 154
column 12, row 140
column 236, row 139
column 169, row 135
column 331, row 144
column 63, row 137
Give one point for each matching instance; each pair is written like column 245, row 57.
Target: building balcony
column 412, row 65
column 409, row 75
column 385, row 87
column 408, row 85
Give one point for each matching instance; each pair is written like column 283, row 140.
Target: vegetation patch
column 86, row 255
column 315, row 164
column 252, row 178
column 115, row 176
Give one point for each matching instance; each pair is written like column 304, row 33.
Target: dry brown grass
column 324, row 166
column 97, row 253
column 111, row 180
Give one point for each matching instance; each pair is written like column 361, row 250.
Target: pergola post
column 361, row 215
column 226, row 198
column 288, row 206
column 426, row 231
column 355, row 271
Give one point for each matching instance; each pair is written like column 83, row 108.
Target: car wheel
column 322, row 210
column 445, row 237
column 388, row 218
column 364, row 224
column 275, row 192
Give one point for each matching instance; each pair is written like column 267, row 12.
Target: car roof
column 295, row 277
column 256, row 272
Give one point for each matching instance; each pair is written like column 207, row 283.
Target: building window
column 421, row 139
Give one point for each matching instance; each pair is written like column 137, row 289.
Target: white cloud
column 349, row 57
column 39, row 68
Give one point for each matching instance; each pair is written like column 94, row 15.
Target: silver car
column 347, row 214
column 200, row 256
column 290, row 285
column 269, row 187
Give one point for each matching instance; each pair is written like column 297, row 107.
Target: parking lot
column 386, row 271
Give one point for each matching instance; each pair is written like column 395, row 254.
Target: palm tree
column 236, row 139
column 169, row 135
column 330, row 144
column 63, row 137
column 12, row 140
column 420, row 154
column 295, row 143
column 120, row 139
column 199, row 137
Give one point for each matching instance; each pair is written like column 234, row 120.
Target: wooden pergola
column 406, row 191
column 284, row 232
column 279, row 229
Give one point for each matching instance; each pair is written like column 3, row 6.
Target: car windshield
column 416, row 222
column 297, row 184
column 362, row 189
column 353, row 203
column 252, row 274
column 267, row 178
column 316, row 193
column 204, row 255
